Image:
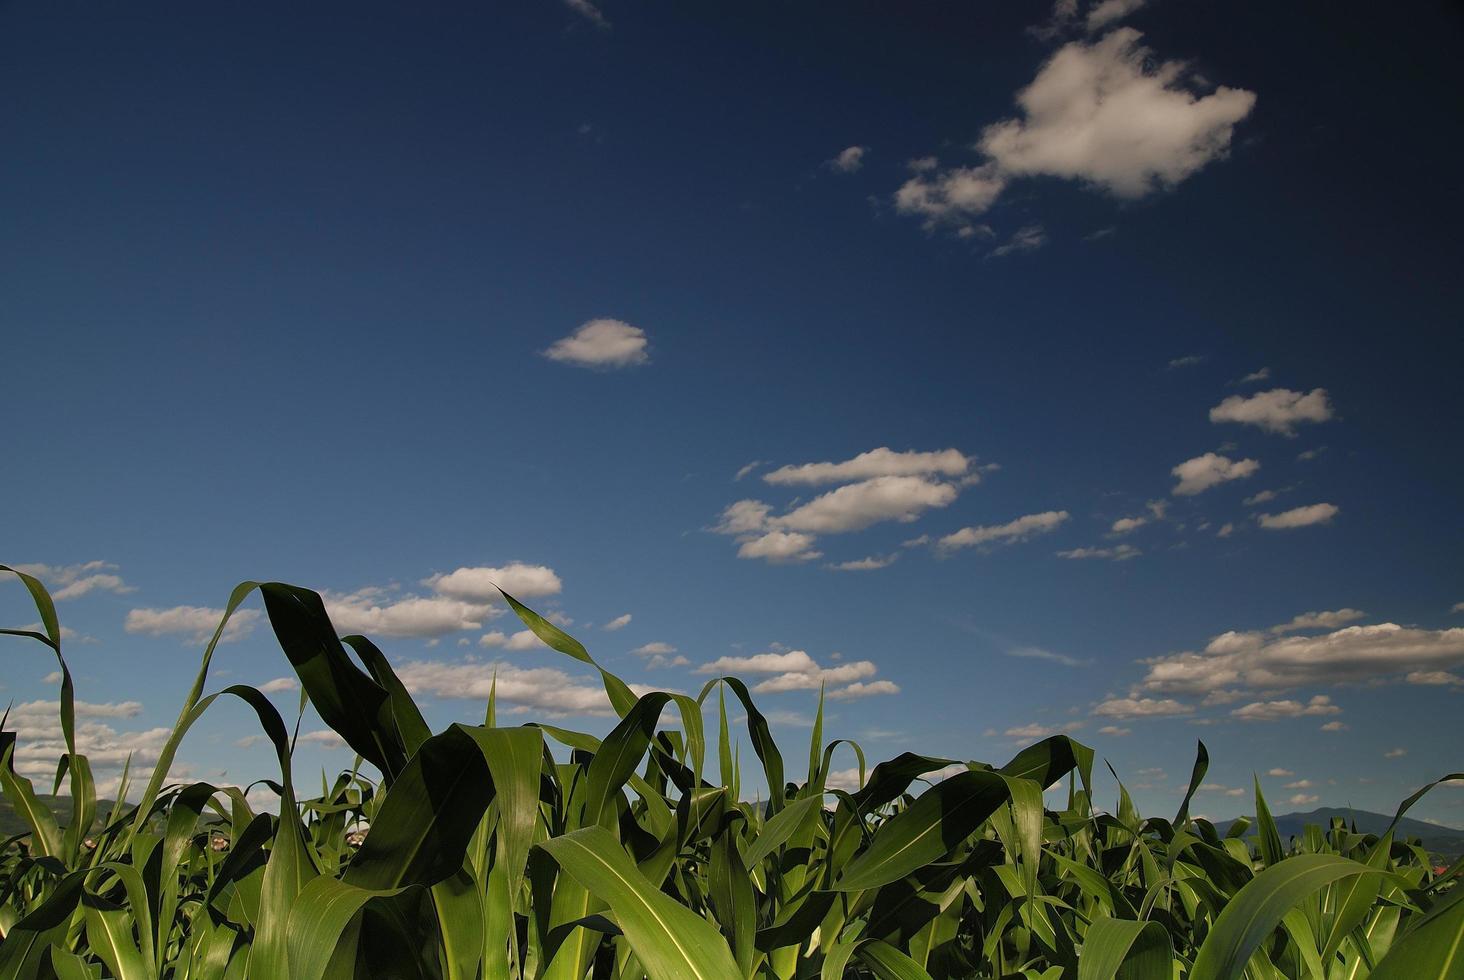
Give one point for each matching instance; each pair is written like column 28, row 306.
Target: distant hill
column 11, row 822
column 1444, row 841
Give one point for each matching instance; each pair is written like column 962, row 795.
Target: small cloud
column 1210, row 470
column 1395, row 753
column 848, row 160
column 1037, row 653
column 1275, row 710
column 1299, row 517
column 1019, row 529
column 1026, row 239
column 73, row 581
column 864, row 564
column 1255, row 376
column 590, row 12
column 1330, row 620
column 1226, row 530
column 1123, row 709
column 1109, row 12
column 780, row 546
column 1335, row 726
column 1280, row 773
column 279, row 685
column 196, row 623
column 1114, row 731
column 749, row 468
column 1188, row 360
column 602, row 343
column 619, row 622
column 1279, row 410
column 1121, row 552
column 1302, row 798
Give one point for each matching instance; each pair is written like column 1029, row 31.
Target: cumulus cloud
column 1138, row 707
column 882, row 461
column 542, row 690
column 1110, row 115
column 658, row 654
column 1115, row 731
column 279, row 685
column 1126, row 524
column 848, row 160
column 1298, row 517
column 477, row 584
column 952, row 196
column 377, row 612
column 1437, row 678
column 1301, row 799
column 1280, row 773
column 857, row 505
column 196, row 623
column 779, row 546
column 869, row 563
column 601, row 343
column 1255, row 376
column 1263, row 661
column 1319, row 621
column 39, row 742
column 1210, row 470
column 1276, row 710
column 795, row 670
column 521, row 640
column 1121, row 552
column 1259, row 498
column 1020, row 529
column 619, row 622
column 1335, row 726
column 1279, row 410
column 72, row 581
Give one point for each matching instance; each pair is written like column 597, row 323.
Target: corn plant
column 505, row 853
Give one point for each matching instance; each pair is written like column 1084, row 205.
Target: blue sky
column 1128, row 332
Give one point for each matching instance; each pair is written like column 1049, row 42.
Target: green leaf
column 1433, row 947
column 1122, row 949
column 671, row 941
column 1258, row 908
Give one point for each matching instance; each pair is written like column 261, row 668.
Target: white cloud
column 590, row 12
column 1114, row 731
column 1110, row 11
column 848, row 160
column 1110, row 115
column 1302, row 798
column 1320, row 621
column 795, row 670
column 748, row 469
column 1028, row 238
column 1255, row 376
column 323, row 737
column 375, row 612
column 601, row 343
column 1261, row 661
column 779, row 546
column 1335, row 726
column 1033, row 732
column 882, row 461
column 477, row 584
column 1457, row 607
column 857, row 505
column 1121, row 552
column 865, row 564
column 196, row 622
column 744, row 517
column 1279, row 410
column 1395, row 753
column 1125, row 708
column 1276, row 710
column 1037, row 653
column 1300, row 784
column 952, row 196
column 1299, row 517
column 619, row 622
column 279, row 685
column 1219, row 788
column 652, row 649
column 522, row 640
column 1124, row 525
column 1188, row 360
column 1203, row 472
column 863, row 689
column 1280, row 773
column 544, row 690
column 1433, row 677
column 1226, row 530
column 39, row 742
column 1016, row 530
column 72, row 581
column 1259, row 498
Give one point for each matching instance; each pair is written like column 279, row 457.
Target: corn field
column 505, row 853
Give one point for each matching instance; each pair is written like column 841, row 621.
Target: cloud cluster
column 1275, row 710
column 39, row 742
column 1279, row 410
column 195, row 623
column 602, row 343
column 877, row 486
column 795, row 670
column 1020, row 529
column 1210, row 470
column 72, row 581
column 659, row 654
column 1106, row 113
column 1266, row 661
column 543, row 690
